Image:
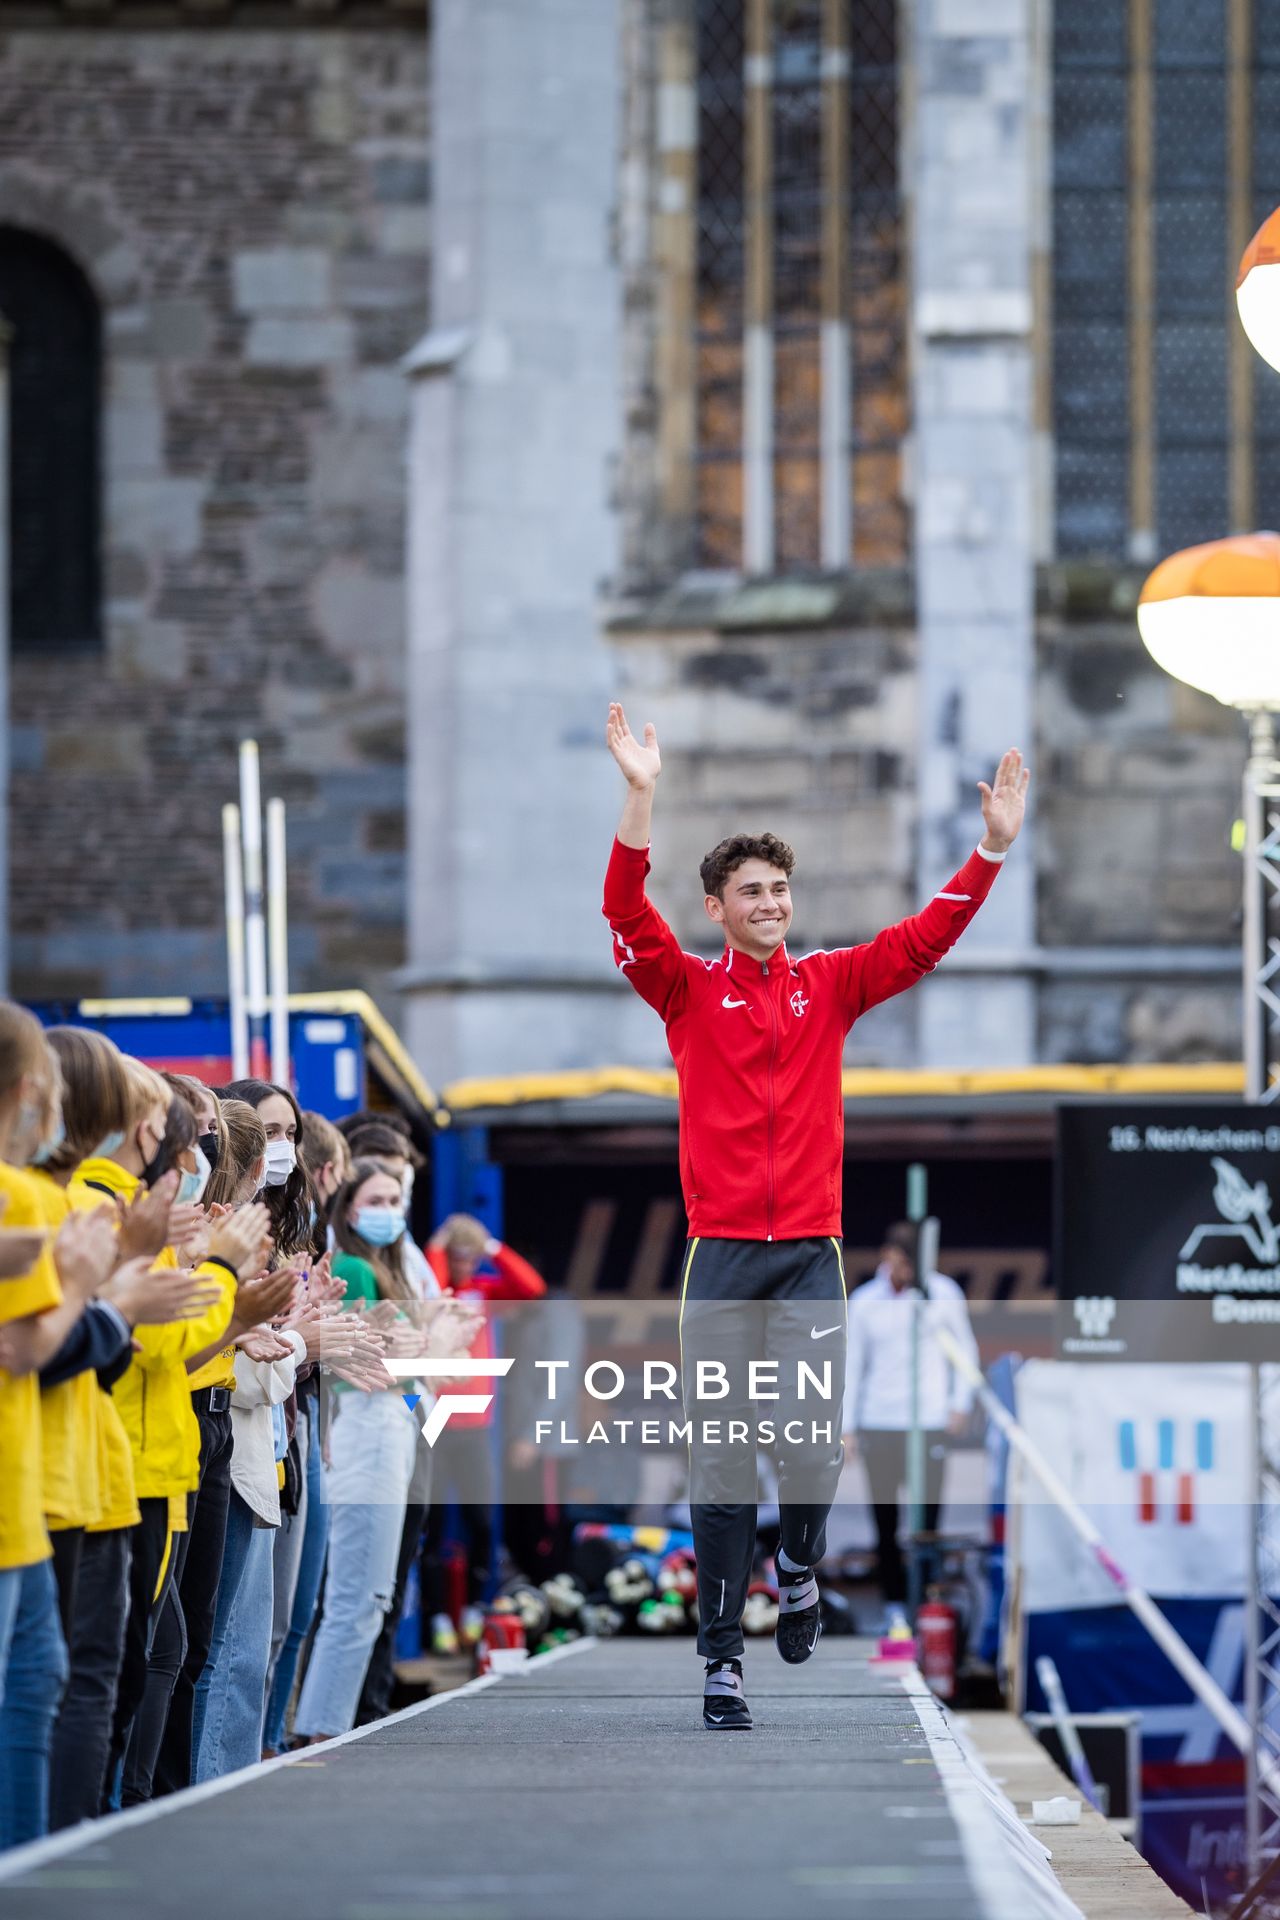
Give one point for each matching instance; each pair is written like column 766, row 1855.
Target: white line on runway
column 56, row 1846
column 1008, row 1867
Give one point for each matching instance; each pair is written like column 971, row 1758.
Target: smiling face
column 756, row 909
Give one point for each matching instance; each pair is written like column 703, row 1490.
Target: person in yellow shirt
column 153, row 1397
column 91, row 1506
column 180, row 1644
column 37, row 1310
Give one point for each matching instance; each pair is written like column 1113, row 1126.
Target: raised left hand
column 1004, row 802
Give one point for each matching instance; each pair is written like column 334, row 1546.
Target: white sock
column 785, row 1564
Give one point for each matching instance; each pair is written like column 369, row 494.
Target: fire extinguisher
column 503, row 1628
column 936, row 1633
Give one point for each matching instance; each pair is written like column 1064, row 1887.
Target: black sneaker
column 724, row 1710
column 799, row 1619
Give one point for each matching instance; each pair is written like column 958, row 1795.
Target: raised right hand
column 640, row 763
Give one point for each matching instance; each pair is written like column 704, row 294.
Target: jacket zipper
column 773, row 1055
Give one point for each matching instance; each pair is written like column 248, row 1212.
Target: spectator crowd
column 212, row 1489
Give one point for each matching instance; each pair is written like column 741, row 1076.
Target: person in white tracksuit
column 877, row 1407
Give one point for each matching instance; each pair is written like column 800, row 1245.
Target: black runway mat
column 587, row 1790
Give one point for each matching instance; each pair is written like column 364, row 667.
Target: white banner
column 1158, row 1456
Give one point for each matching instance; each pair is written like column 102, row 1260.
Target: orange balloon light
column 1210, row 616
column 1258, row 290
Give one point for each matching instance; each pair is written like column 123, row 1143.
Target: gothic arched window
column 800, row 321
column 55, row 378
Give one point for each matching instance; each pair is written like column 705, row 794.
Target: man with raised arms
column 757, row 1037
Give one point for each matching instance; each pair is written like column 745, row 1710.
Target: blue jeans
column 36, row 1673
column 10, row 1588
column 373, row 1446
column 233, row 1685
column 314, row 1521
column 235, row 1564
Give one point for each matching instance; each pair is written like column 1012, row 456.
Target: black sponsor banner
column 1167, row 1232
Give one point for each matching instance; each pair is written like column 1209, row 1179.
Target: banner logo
column 1094, row 1314
column 449, row 1403
column 1168, row 1463
column 1247, row 1208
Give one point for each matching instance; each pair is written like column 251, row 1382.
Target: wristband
column 216, row 1260
column 994, row 858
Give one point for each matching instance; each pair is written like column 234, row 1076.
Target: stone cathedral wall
column 251, row 207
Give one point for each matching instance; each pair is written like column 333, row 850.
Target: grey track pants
column 763, row 1330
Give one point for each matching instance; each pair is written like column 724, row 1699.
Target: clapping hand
column 20, row 1248
column 144, row 1220
column 261, row 1343
column 85, row 1251
column 190, row 1232
column 261, row 1300
column 243, row 1240
column 452, row 1329
column 336, row 1336
column 156, row 1297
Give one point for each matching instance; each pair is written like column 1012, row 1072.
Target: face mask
column 282, row 1158
column 191, row 1186
column 47, row 1148
column 207, row 1144
column 109, row 1144
column 156, row 1165
column 379, row 1225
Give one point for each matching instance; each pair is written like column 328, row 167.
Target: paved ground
column 582, row 1790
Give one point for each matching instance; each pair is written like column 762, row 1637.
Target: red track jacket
column 758, row 1050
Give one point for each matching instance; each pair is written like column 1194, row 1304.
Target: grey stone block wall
column 251, row 207
column 1139, row 782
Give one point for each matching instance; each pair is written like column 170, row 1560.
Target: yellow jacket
column 68, row 1415
column 117, row 1498
column 154, row 1397
column 23, row 1539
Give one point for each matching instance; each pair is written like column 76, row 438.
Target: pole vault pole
column 278, row 942
column 254, row 926
column 1166, row 1637
column 233, row 882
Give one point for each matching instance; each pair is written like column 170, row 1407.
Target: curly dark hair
column 736, row 851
